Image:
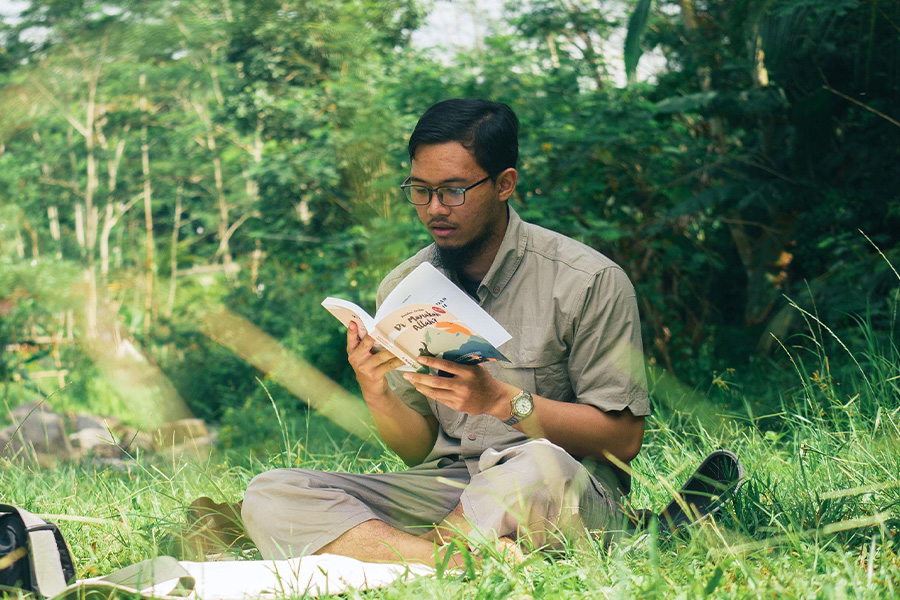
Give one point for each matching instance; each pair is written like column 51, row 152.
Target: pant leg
column 537, row 492
column 294, row 512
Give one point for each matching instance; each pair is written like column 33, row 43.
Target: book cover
column 427, row 315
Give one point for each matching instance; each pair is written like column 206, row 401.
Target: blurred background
column 182, row 183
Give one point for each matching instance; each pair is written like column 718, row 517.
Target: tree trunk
column 170, row 305
column 90, row 211
column 148, row 213
column 224, row 250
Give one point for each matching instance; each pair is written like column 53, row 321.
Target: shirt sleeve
column 606, row 360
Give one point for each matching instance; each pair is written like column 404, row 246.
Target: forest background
column 182, row 183
column 161, row 162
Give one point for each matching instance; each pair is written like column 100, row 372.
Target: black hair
column 489, row 130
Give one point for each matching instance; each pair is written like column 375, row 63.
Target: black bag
column 33, row 554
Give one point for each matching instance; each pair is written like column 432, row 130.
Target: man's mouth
column 441, row 229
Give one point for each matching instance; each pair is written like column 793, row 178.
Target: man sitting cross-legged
column 514, row 451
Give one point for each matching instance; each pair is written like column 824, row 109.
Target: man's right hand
column 370, row 368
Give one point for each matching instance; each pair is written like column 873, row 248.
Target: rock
column 40, row 429
column 181, row 431
column 131, row 440
column 197, row 447
column 83, row 422
column 89, row 438
column 126, row 443
column 38, row 435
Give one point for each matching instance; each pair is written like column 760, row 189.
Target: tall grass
column 817, row 517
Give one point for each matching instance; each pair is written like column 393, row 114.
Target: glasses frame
column 406, row 185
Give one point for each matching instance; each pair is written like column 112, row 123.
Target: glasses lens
column 417, row 194
column 451, row 196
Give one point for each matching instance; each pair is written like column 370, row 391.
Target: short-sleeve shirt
column 576, row 337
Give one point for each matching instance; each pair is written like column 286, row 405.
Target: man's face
column 480, row 223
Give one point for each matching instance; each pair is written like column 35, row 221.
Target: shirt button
column 472, row 436
column 497, row 289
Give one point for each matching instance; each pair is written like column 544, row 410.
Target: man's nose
column 435, row 206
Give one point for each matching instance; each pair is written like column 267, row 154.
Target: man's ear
column 506, row 183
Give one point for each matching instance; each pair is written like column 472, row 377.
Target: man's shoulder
column 402, row 270
column 548, row 245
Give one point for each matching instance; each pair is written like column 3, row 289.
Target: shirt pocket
column 538, row 363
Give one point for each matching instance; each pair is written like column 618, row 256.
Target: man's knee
column 540, row 467
column 269, row 490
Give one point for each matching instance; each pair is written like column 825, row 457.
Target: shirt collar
column 508, row 257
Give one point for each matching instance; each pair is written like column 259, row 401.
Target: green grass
column 818, row 516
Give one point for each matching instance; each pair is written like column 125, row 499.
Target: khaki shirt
column 576, row 337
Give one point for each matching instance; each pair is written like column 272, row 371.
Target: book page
column 427, row 285
column 347, row 312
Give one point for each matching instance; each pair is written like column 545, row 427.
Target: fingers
column 430, row 382
column 444, row 396
column 445, row 365
column 372, row 366
column 391, row 362
column 352, row 337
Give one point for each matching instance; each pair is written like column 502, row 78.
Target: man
column 520, row 451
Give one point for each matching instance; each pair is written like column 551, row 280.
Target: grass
column 818, row 516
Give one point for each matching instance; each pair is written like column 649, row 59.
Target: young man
column 522, row 451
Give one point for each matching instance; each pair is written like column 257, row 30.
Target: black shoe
column 713, row 483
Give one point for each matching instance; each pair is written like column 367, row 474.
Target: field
column 817, row 517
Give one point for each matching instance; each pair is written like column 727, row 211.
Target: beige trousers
column 534, row 491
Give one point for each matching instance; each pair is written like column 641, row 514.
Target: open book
column 427, row 315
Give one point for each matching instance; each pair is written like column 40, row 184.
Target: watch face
column 523, row 405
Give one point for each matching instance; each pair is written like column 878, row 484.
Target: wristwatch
column 522, row 407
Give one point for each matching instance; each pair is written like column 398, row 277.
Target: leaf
column 636, row 25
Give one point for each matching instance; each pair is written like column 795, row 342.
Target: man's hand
column 370, row 368
column 406, row 432
column 580, row 429
column 471, row 390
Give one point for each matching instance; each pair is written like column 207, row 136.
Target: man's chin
column 453, row 257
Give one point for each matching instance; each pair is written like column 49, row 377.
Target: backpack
column 33, row 554
column 34, row 558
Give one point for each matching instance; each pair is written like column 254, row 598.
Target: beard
column 455, row 259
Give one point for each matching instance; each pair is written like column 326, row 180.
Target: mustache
column 440, row 223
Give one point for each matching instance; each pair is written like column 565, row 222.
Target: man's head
column 459, row 143
column 488, row 130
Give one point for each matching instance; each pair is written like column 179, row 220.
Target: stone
column 41, row 429
column 22, row 411
column 125, row 443
column 132, row 441
column 82, row 422
column 181, row 431
column 89, row 438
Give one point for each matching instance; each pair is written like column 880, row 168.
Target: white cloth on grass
column 317, row 575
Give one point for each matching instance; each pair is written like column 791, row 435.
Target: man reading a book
column 529, row 452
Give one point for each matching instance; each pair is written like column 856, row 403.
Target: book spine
column 382, row 339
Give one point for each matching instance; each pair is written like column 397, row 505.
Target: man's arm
column 580, row 429
column 606, row 371
column 405, row 431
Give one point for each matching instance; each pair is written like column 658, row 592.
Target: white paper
column 426, row 285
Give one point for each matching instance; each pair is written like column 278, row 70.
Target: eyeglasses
column 448, row 195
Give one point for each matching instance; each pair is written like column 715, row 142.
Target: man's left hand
column 471, row 390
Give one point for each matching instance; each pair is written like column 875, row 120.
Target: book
column 427, row 315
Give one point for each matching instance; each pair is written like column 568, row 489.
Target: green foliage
column 274, row 134
column 636, row 25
